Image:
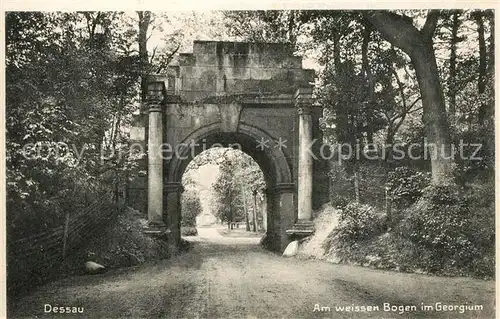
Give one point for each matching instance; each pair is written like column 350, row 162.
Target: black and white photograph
column 271, row 162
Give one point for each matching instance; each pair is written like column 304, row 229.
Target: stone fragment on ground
column 94, row 268
column 292, row 249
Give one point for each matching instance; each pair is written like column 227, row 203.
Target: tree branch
column 415, row 110
column 413, row 104
column 153, row 54
column 168, row 59
column 400, row 86
column 430, row 24
column 395, row 28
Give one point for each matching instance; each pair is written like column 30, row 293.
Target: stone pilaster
column 172, row 193
column 283, row 214
column 155, row 168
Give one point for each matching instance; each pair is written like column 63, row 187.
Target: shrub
column 339, row 201
column 357, row 224
column 371, row 184
column 406, row 186
column 189, row 231
column 452, row 232
column 191, row 207
column 342, row 187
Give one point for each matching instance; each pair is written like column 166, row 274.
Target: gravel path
column 224, row 277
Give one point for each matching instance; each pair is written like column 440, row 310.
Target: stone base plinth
column 302, row 228
column 158, row 232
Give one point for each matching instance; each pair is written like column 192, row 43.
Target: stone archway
column 280, row 192
column 254, row 94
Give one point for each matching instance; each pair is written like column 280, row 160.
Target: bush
column 406, row 186
column 453, row 231
column 189, row 231
column 342, row 187
column 339, row 201
column 372, row 178
column 123, row 243
column 191, row 207
column 358, row 223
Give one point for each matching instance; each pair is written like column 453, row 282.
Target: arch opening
column 278, row 188
column 224, row 196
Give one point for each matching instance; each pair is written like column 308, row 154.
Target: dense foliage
column 357, row 223
column 406, row 186
column 71, row 80
column 448, row 230
column 444, row 227
column 191, row 207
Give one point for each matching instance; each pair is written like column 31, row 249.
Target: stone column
column 173, row 192
column 155, row 168
column 305, row 169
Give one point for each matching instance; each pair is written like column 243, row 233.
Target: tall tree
column 481, row 81
column 145, row 19
column 370, row 81
column 452, row 79
column 418, row 44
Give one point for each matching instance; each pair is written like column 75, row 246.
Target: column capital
column 303, row 100
column 303, row 96
column 304, row 109
column 173, row 187
column 282, row 188
column 153, row 107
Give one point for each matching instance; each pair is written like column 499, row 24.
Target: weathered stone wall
column 262, row 77
column 237, row 68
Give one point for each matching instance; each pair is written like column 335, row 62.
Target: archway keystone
column 229, row 117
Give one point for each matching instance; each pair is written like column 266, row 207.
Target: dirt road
column 225, row 277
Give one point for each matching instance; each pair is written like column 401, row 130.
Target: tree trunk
column 142, row 39
column 356, row 187
column 370, row 83
column 144, row 22
column 254, row 221
column 491, row 51
column 481, row 81
column 434, row 114
column 400, row 32
column 245, row 209
column 336, row 53
column 452, row 80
